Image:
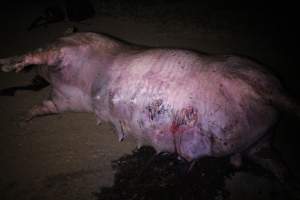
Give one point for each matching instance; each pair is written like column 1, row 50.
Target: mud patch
column 146, row 175
column 143, row 175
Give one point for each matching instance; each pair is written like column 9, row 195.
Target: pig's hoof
column 99, row 122
column 12, row 64
column 7, row 68
column 121, row 139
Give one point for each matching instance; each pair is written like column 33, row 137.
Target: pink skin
column 177, row 100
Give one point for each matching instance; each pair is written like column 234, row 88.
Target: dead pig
column 190, row 103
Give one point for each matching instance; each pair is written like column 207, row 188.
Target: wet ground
column 69, row 157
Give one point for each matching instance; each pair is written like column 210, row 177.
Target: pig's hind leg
column 48, row 56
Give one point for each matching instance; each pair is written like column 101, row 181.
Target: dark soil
column 146, row 175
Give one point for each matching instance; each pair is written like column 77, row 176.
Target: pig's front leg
column 49, row 56
column 120, row 129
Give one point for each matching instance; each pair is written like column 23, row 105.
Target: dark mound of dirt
column 145, row 175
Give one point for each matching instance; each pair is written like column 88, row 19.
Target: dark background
column 69, row 157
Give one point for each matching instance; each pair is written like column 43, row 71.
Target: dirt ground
column 68, row 156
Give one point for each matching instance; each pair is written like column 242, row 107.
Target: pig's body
column 181, row 102
column 176, row 100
